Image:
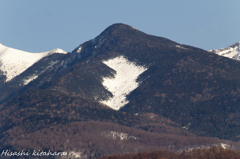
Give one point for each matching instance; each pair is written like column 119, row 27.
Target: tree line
column 212, row 153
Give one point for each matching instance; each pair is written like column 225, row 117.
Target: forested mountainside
column 214, row 152
column 122, row 92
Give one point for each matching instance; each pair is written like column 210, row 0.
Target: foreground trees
column 213, row 153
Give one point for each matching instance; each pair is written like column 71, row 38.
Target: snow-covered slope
column 13, row 62
column 232, row 51
column 124, row 81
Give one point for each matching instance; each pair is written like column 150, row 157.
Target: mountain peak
column 237, row 44
column 232, row 51
column 58, row 50
column 14, row 61
column 117, row 28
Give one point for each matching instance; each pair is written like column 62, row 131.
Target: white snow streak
column 34, row 76
column 124, row 81
column 13, row 62
column 26, row 81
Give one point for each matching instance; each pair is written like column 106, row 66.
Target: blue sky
column 42, row 25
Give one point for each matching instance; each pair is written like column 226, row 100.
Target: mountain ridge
column 183, row 91
column 12, row 67
column 233, row 51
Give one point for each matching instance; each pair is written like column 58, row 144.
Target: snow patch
column 73, row 154
column 114, row 135
column 179, row 46
column 14, row 62
column 124, row 81
column 225, row 146
column 59, row 51
column 200, row 147
column 26, row 81
column 187, row 126
column 79, row 49
column 232, row 51
column 100, row 41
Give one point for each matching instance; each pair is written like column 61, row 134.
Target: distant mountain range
column 122, row 92
column 14, row 62
column 232, row 51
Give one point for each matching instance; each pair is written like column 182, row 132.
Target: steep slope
column 129, row 79
column 14, row 62
column 193, row 92
column 89, row 61
column 42, row 71
column 14, row 65
column 232, row 51
column 182, row 83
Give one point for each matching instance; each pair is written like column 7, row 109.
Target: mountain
column 14, row 62
column 16, row 68
column 232, row 51
column 122, row 92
